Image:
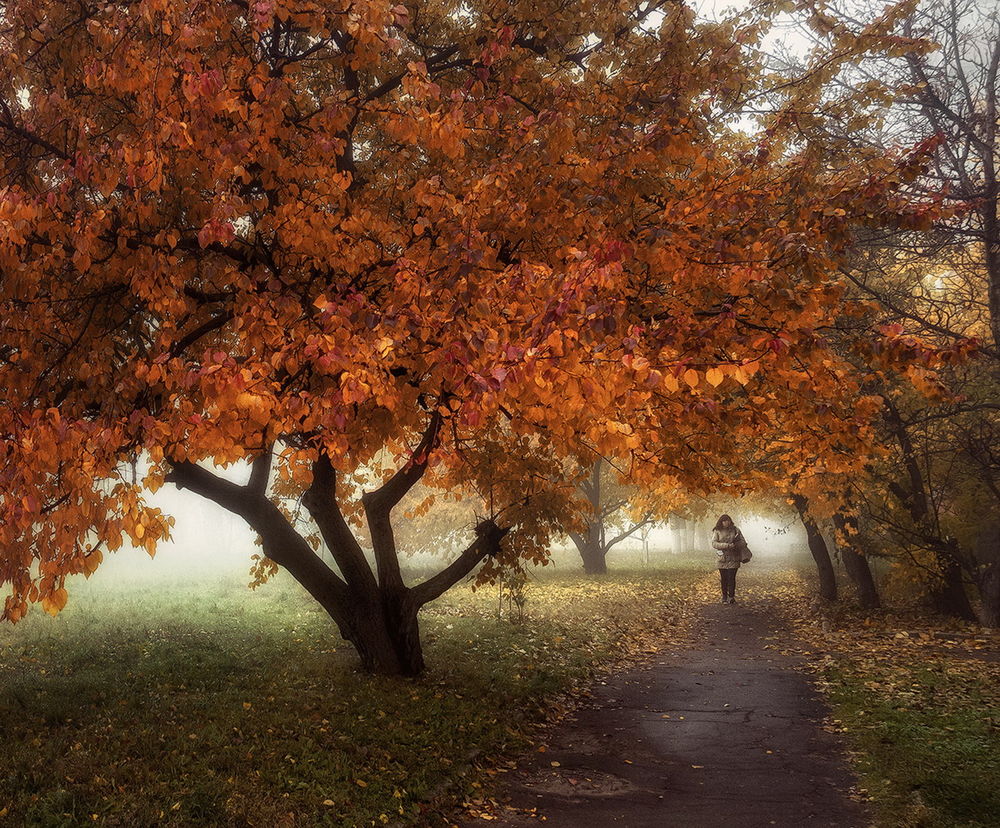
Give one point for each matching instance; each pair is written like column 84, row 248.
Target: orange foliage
column 227, row 228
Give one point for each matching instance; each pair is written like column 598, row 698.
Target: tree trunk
column 855, row 562
column 377, row 615
column 680, row 537
column 988, row 583
column 595, row 559
column 948, row 592
column 387, row 638
column 818, row 548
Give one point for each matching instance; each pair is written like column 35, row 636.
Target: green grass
column 927, row 739
column 920, row 713
column 215, row 706
column 929, row 752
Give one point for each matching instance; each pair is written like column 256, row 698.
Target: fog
column 208, row 543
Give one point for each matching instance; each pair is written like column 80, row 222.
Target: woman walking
column 731, row 547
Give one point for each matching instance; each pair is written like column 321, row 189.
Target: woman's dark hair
column 718, row 523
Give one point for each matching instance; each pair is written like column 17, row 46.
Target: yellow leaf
column 691, row 377
column 714, row 376
column 55, row 601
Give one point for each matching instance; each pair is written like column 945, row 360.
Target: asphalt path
column 725, row 732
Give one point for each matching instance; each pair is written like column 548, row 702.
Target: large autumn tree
column 360, row 245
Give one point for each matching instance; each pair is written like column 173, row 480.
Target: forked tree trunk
column 593, row 544
column 387, row 638
column 855, row 562
column 818, row 549
column 375, row 611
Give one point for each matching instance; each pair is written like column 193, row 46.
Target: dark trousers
column 728, row 578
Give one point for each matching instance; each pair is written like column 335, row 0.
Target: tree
column 359, row 248
column 930, row 500
column 612, row 513
column 818, row 549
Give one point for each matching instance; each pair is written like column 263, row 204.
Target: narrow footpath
column 723, row 733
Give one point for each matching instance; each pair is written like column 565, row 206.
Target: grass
column 920, row 710
column 208, row 705
column 927, row 740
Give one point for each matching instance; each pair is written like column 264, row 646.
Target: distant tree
column 612, row 512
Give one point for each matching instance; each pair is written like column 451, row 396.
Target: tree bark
column 595, row 559
column 855, row 562
column 948, row 592
column 818, row 548
column 989, row 593
column 378, row 616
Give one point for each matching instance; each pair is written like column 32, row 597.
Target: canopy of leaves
column 290, row 226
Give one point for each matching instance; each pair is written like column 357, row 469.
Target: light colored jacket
column 728, row 546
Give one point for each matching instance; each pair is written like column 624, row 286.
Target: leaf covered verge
column 918, row 701
column 198, row 706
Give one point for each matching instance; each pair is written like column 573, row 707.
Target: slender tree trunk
column 991, row 220
column 680, row 537
column 818, row 548
column 855, row 562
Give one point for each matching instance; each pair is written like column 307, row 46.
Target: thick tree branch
column 390, row 493
column 230, row 496
column 31, row 138
column 260, row 472
column 206, row 327
column 282, row 543
column 488, row 538
column 579, row 540
column 628, row 533
column 379, row 504
column 320, row 500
